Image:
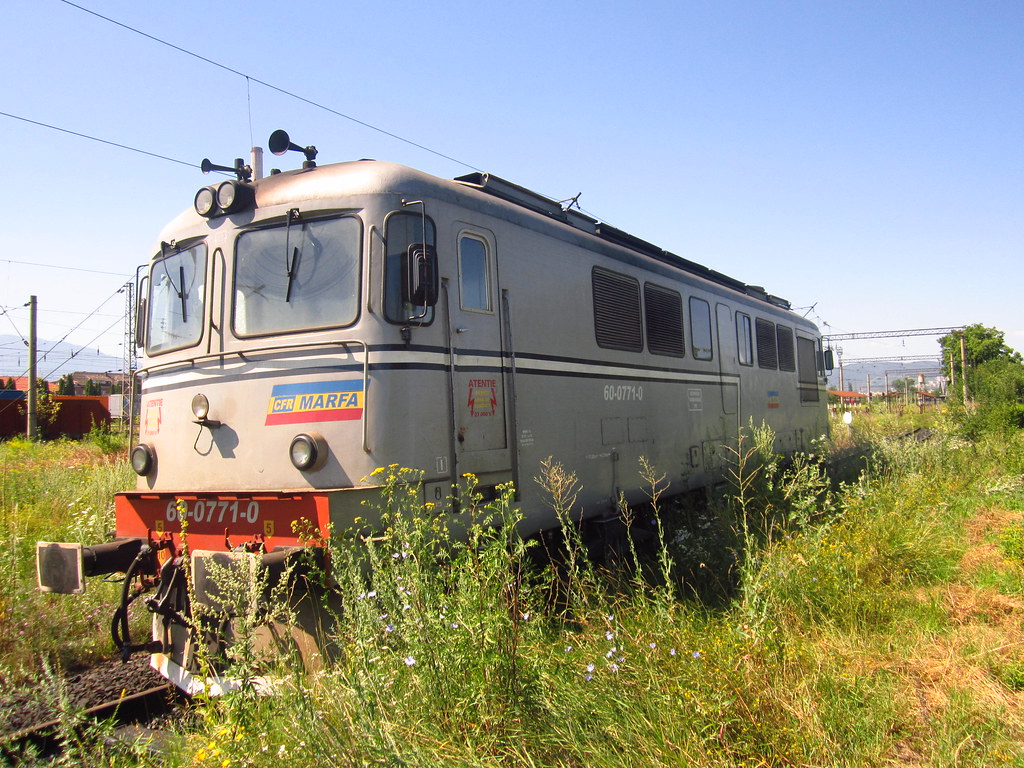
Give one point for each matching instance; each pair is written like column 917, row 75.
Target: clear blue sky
column 866, row 158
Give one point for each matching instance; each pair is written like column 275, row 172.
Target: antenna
column 280, row 143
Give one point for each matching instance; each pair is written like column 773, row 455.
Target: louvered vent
column 617, row 311
column 767, row 355
column 663, row 311
column 787, row 355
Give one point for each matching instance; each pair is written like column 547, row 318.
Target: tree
column 995, row 380
column 10, row 384
column 903, row 385
column 65, row 385
column 91, row 389
column 981, row 344
column 46, row 407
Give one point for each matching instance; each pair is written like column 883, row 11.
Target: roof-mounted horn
column 279, row 143
column 240, row 169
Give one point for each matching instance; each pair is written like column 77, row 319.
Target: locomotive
column 301, row 329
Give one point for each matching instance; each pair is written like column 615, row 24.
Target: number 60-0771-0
column 623, row 392
column 214, row 511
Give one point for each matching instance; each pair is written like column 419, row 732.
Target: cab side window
column 405, row 231
column 474, row 274
column 700, row 329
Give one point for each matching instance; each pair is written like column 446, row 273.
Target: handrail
column 511, row 399
column 342, row 342
column 244, row 352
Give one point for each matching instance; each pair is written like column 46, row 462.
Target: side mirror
column 830, row 362
column 140, row 323
column 420, row 280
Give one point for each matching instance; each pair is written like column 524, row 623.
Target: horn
column 206, row 166
column 280, row 143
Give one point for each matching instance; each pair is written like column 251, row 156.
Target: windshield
column 177, row 292
column 300, row 276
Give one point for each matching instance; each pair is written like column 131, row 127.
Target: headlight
column 308, row 452
column 205, row 201
column 143, row 459
column 200, row 406
column 234, row 196
column 226, row 195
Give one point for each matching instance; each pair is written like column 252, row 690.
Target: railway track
column 36, row 729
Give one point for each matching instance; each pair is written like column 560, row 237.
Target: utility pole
column 30, row 416
column 963, row 364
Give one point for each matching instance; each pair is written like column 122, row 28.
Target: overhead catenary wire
column 85, row 346
column 96, row 138
column 272, row 87
column 249, row 80
column 3, row 310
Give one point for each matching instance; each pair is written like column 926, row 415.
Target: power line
column 3, row 310
column 101, row 141
column 81, row 322
column 270, row 86
column 58, row 266
column 86, row 346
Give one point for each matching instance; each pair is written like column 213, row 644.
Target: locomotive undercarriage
column 218, row 618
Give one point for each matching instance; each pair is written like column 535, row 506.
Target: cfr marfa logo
column 315, row 401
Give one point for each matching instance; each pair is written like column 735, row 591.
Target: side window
column 700, row 329
column 807, row 369
column 767, row 353
column 616, row 311
column 474, row 274
column 744, row 339
column 402, row 230
column 787, row 355
column 663, row 313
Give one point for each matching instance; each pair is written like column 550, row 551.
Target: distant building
column 104, row 382
column 21, row 384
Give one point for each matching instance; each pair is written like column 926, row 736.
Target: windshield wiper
column 181, row 276
column 181, row 294
column 292, row 271
column 291, row 266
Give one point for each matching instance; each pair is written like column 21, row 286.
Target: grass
column 58, row 491
column 876, row 623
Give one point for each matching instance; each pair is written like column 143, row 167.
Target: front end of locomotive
column 254, row 444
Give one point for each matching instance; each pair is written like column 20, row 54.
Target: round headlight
column 200, row 406
column 234, row 196
column 205, row 201
column 143, row 459
column 226, row 195
column 308, row 452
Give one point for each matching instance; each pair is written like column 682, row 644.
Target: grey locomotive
column 302, row 329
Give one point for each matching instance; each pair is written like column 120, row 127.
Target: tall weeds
column 61, row 491
column 854, row 633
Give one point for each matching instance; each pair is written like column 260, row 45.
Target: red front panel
column 212, row 516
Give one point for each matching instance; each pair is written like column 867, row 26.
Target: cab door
column 481, row 441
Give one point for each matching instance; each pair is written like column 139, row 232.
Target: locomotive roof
column 381, row 177
column 506, row 190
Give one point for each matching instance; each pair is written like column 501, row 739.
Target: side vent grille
column 767, row 355
column 787, row 355
column 663, row 310
column 617, row 311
